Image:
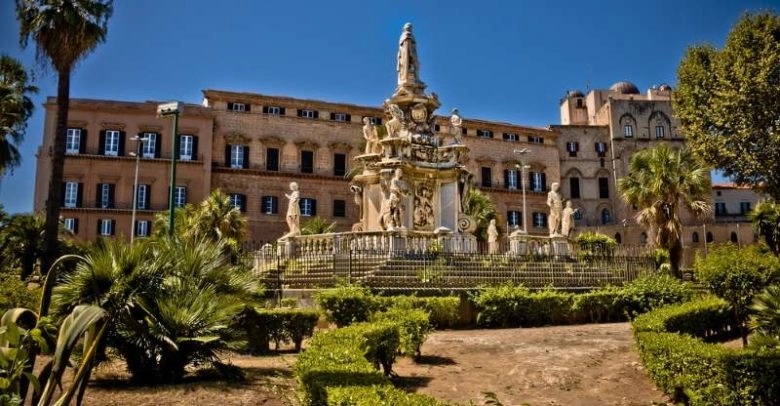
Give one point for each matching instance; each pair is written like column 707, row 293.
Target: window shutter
column 544, row 182
column 576, row 146
column 111, row 188
column 177, row 148
column 102, row 145
column 121, row 143
column 75, row 226
column 113, row 227
column 83, row 141
column 227, row 156
column 247, row 107
column 316, row 114
column 246, row 157
column 349, row 118
column 194, row 147
column 62, row 194
column 99, row 222
column 98, row 196
column 313, row 207
column 506, row 178
column 300, row 112
column 230, row 106
column 265, row 109
column 332, row 116
column 243, row 203
column 148, row 200
column 79, row 194
column 281, row 111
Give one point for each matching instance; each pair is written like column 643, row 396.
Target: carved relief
column 423, row 206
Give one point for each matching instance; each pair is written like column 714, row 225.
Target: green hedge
column 378, row 395
column 698, row 373
column 346, row 304
column 264, row 326
column 413, row 328
column 444, row 311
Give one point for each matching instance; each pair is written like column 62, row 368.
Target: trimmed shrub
column 278, row 325
column 599, row 306
column 708, row 318
column 15, row 293
column 413, row 328
column 346, row 304
column 501, row 306
column 652, row 291
column 444, row 311
column 378, row 395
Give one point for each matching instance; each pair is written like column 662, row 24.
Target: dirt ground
column 569, row 365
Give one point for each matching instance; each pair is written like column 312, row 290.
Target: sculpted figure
column 567, row 220
column 408, row 66
column 293, row 211
column 456, row 122
column 395, row 129
column 492, row 233
column 395, row 206
column 369, row 133
column 555, row 202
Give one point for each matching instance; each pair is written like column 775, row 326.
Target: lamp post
column 164, row 110
column 140, row 142
column 523, row 167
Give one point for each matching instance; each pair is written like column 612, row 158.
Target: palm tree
column 15, row 108
column 64, row 32
column 218, row 220
column 481, row 208
column 317, row 225
column 765, row 319
column 661, row 179
column 766, row 220
column 21, row 242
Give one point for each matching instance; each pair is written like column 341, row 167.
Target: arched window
column 709, row 237
column 734, row 237
column 643, row 238
column 606, row 218
column 618, row 238
column 695, row 237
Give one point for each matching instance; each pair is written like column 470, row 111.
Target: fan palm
column 766, row 220
column 660, row 180
column 481, row 208
column 64, row 32
column 766, row 312
column 21, row 242
column 218, row 220
column 15, row 108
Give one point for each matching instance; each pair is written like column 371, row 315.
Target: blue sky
column 496, row 60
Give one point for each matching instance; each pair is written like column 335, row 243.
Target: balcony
column 94, row 153
column 118, row 206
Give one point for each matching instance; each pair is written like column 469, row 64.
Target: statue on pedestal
column 408, row 65
column 492, row 233
column 567, row 220
column 371, row 136
column 391, row 213
column 293, row 211
column 456, row 123
column 555, row 202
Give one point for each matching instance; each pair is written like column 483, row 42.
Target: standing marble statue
column 391, row 214
column 370, row 134
column 555, row 202
column 408, row 66
column 567, row 220
column 293, row 211
column 456, row 123
column 492, row 233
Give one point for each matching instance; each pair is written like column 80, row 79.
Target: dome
column 624, row 88
column 574, row 93
column 664, row 87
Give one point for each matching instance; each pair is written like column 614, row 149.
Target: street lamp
column 164, row 110
column 523, row 167
column 137, row 153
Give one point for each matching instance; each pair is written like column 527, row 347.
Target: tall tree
column 728, row 104
column 660, row 180
column 64, row 32
column 15, row 108
column 481, row 208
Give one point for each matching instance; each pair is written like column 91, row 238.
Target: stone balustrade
column 391, row 242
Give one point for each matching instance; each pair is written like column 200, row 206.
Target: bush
column 378, row 395
column 708, row 318
column 346, row 304
column 652, row 291
column 413, row 328
column 444, row 311
column 277, row 325
column 501, row 306
column 595, row 245
column 599, row 306
column 15, row 293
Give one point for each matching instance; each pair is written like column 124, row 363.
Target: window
column 105, row 196
column 143, row 228
column 270, row 204
column 734, row 238
column 149, row 147
column 659, row 131
column 514, row 218
column 720, row 209
column 578, row 214
column 572, row 147
column 436, row 128
column 538, row 181
column 142, row 197
column 464, row 131
column 112, row 139
column 237, row 156
column 238, row 107
column 272, row 159
column 180, row 196
column 487, row 180
column 339, row 208
column 73, row 141
column 71, row 225
column 540, row 220
column 695, row 237
column 342, row 117
column 339, row 164
column 628, row 130
column 188, row 147
column 511, row 137
column 603, row 188
column 574, row 188
column 601, row 149
column 72, row 191
column 606, row 218
column 305, row 113
column 106, row 227
column 510, row 179
column 308, row 207
column 744, row 208
column 618, row 238
column 238, row 201
column 307, row 161
column 536, row 140
column 273, row 110
column 378, row 121
column 709, row 237
column 484, row 133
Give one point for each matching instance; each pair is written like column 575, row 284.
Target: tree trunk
column 53, row 200
column 675, row 257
